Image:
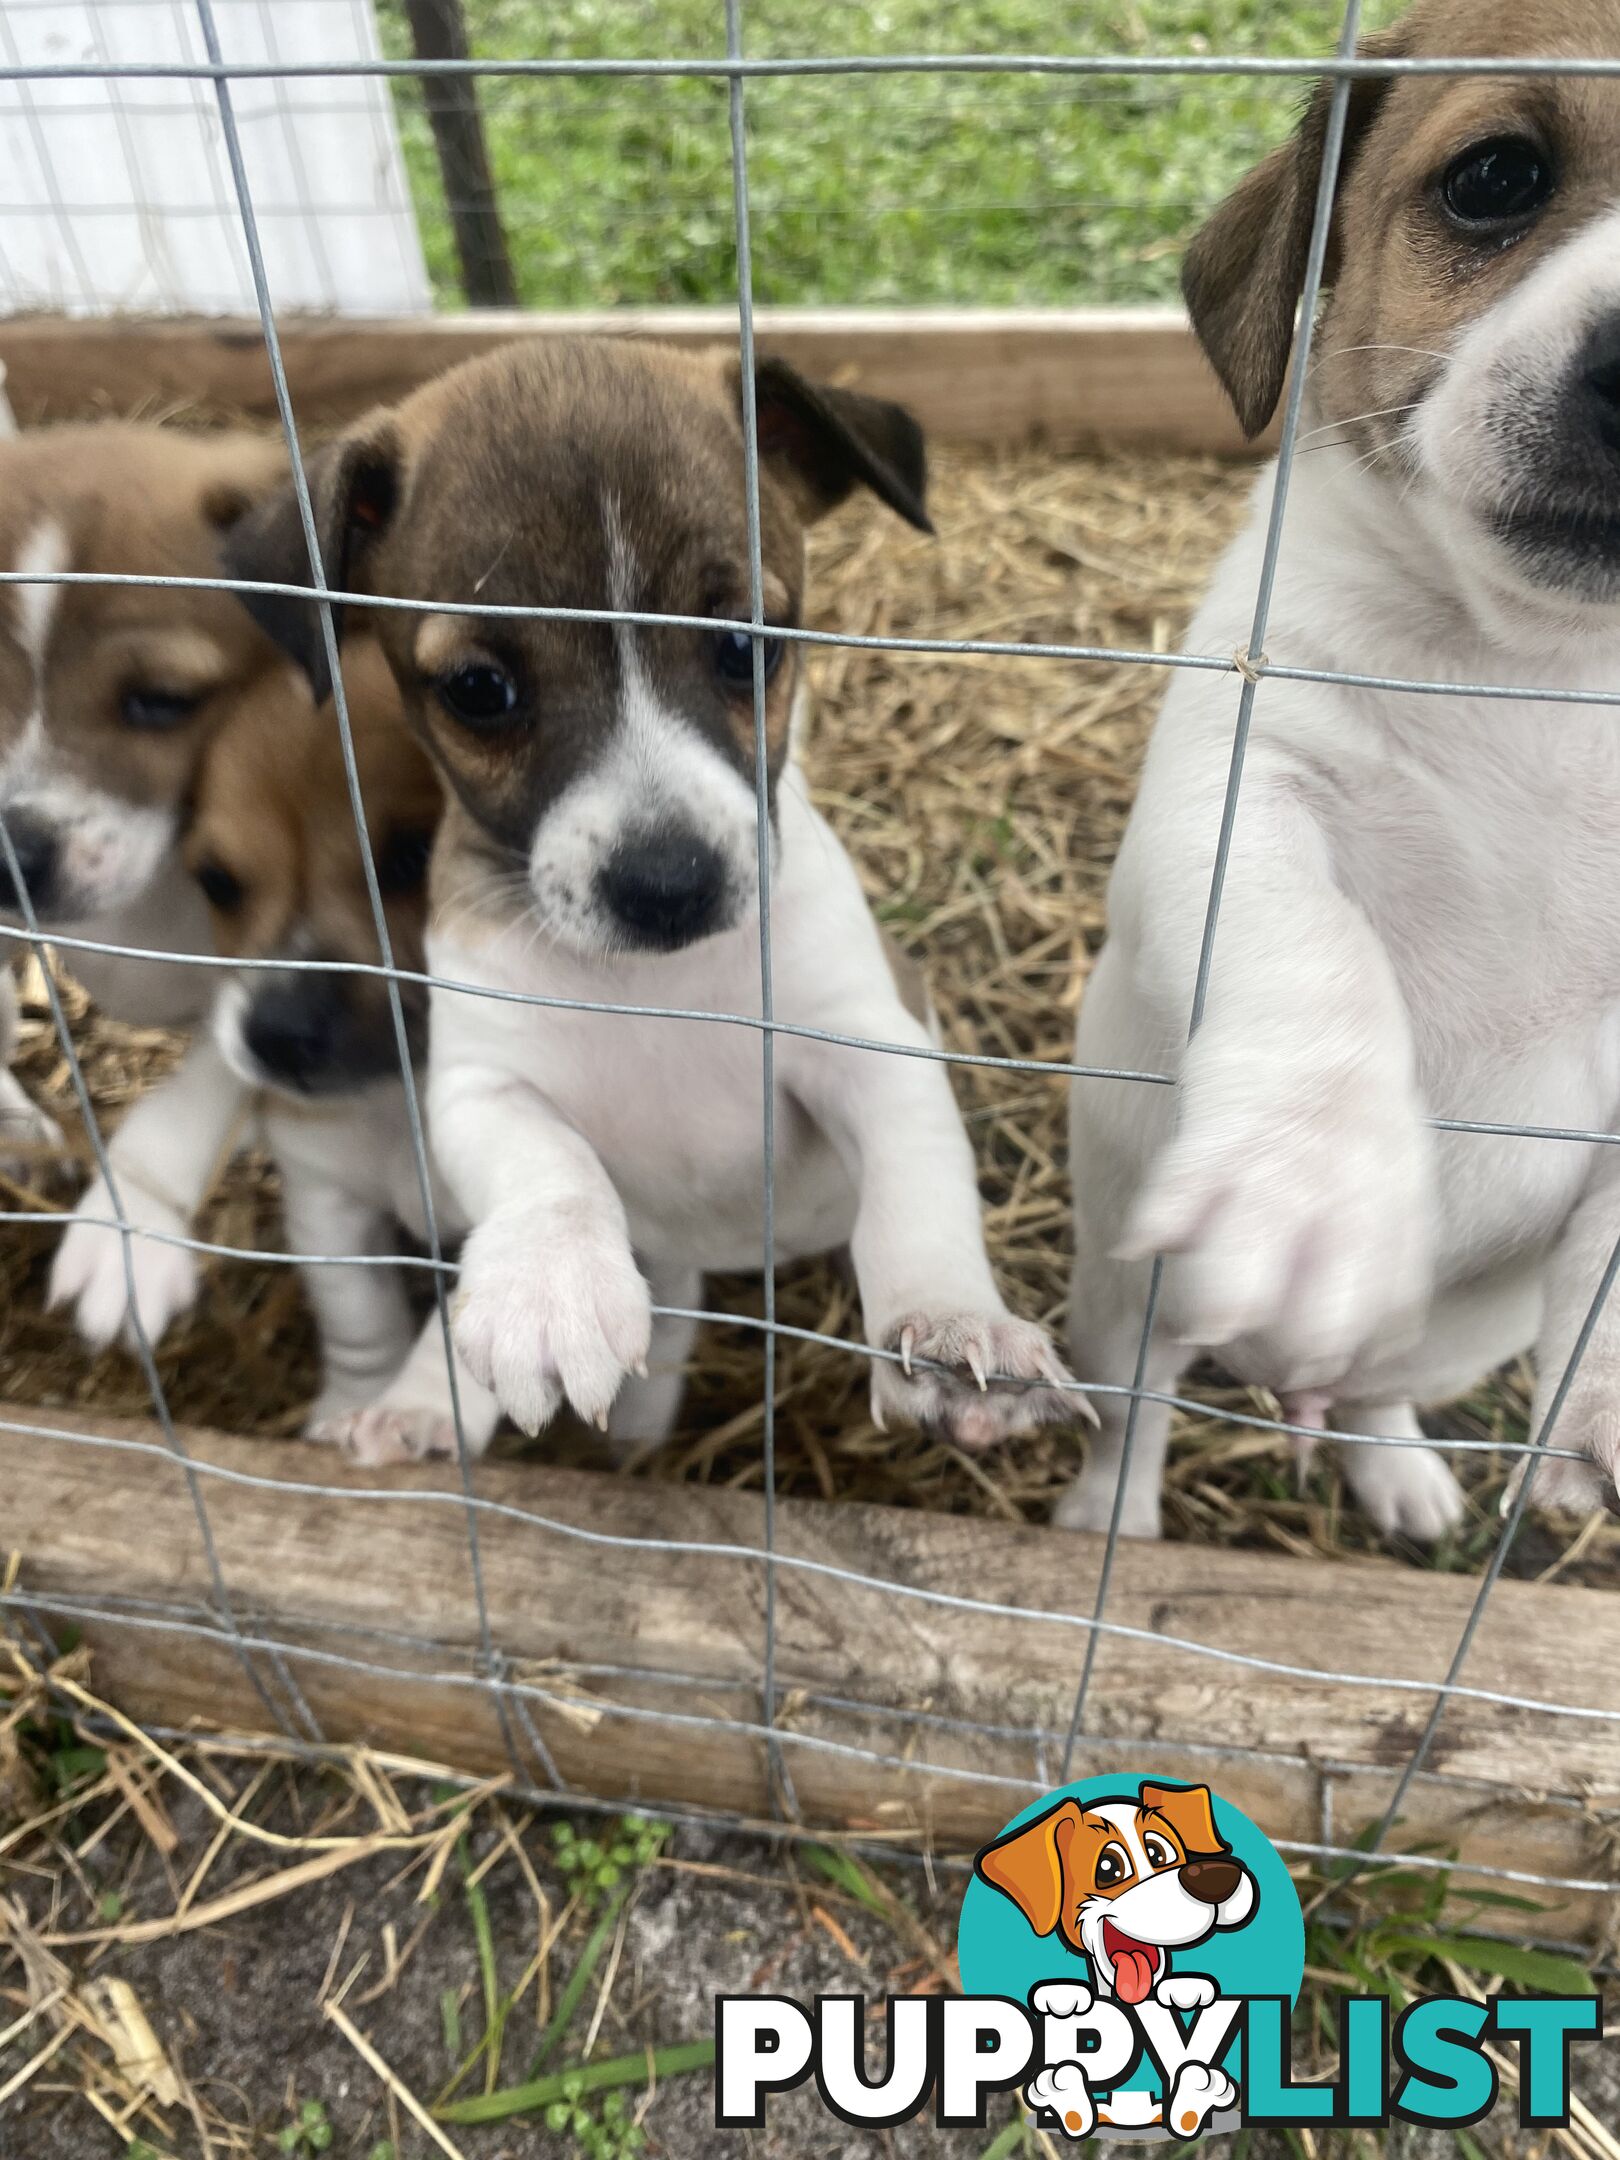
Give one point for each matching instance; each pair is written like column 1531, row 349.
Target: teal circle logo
column 1134, row 1895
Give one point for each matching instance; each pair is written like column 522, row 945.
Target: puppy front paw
column 1298, row 1218
column 1587, row 1428
column 1200, row 2091
column 89, row 1274
column 1001, row 1376
column 1061, row 1999
column 541, row 1317
column 1185, row 1991
column 30, row 1141
column 385, row 1432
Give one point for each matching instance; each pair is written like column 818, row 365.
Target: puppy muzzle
column 320, row 1035
column 665, row 890
column 37, row 857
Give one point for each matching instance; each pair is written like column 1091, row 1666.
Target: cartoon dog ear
column 1027, row 1865
column 1245, row 267
column 823, row 443
column 1189, row 1811
column 354, row 490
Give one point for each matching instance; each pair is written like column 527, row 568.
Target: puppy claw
column 972, row 1379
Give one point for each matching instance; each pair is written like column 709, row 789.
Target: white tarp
column 116, row 194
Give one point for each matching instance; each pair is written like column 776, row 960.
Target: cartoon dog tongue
column 1134, row 1966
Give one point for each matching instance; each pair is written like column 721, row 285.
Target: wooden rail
column 1070, row 378
column 632, row 1649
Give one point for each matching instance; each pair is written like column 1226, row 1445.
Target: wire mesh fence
column 278, row 1666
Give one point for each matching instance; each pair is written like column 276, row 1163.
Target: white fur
column 349, row 1184
column 1421, row 918
column 1066, row 2091
column 607, row 1162
column 655, row 763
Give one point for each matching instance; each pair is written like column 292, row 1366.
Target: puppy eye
column 734, row 658
column 221, row 888
column 1497, row 183
column 1113, row 1866
column 402, row 860
column 480, row 694
column 1158, row 1852
column 158, row 709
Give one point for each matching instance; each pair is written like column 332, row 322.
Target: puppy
column 107, row 696
column 601, row 846
column 1421, row 915
column 274, row 852
column 1124, row 1882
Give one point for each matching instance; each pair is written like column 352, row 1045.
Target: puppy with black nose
column 1421, row 913
column 274, row 852
column 108, row 696
column 601, row 847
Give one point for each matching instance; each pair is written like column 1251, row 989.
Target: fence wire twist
column 267, row 1661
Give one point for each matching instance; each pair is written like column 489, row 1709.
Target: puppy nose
column 666, row 889
column 1212, row 1882
column 1599, row 376
column 34, row 846
column 291, row 1034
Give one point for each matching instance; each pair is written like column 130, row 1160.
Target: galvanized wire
column 513, row 1695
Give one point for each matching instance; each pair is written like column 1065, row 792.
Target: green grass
column 909, row 190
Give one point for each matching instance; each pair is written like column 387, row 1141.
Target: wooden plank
column 1070, row 378
column 631, row 1651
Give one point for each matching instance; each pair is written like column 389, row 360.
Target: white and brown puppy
column 107, row 696
column 600, row 847
column 1421, row 917
column 274, row 850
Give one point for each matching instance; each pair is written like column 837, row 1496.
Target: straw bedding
column 983, row 800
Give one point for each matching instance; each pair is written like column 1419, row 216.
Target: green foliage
column 608, row 2135
column 908, row 188
column 593, row 1867
column 308, row 2132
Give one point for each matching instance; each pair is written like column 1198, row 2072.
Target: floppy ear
column 1189, row 1812
column 354, row 488
column 1027, row 1865
column 1245, row 268
column 823, row 443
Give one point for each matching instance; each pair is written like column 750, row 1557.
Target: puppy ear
column 824, row 443
column 1027, row 1865
column 1245, row 267
column 354, row 488
column 1189, row 1811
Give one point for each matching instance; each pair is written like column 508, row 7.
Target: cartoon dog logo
column 1125, row 1883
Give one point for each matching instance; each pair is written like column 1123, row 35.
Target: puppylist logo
column 1131, row 1950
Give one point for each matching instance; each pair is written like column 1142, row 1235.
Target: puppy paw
column 1200, row 2091
column 30, row 1142
column 1406, row 1491
column 89, row 1274
column 1185, row 1991
column 1588, row 1426
column 542, row 1317
column 384, row 1433
column 1089, row 1505
column 1063, row 2092
column 1062, row 1999
column 1002, row 1377
column 1297, row 1215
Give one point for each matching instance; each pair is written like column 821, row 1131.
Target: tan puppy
column 602, row 847
column 1123, row 1882
column 107, row 697
column 274, row 851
